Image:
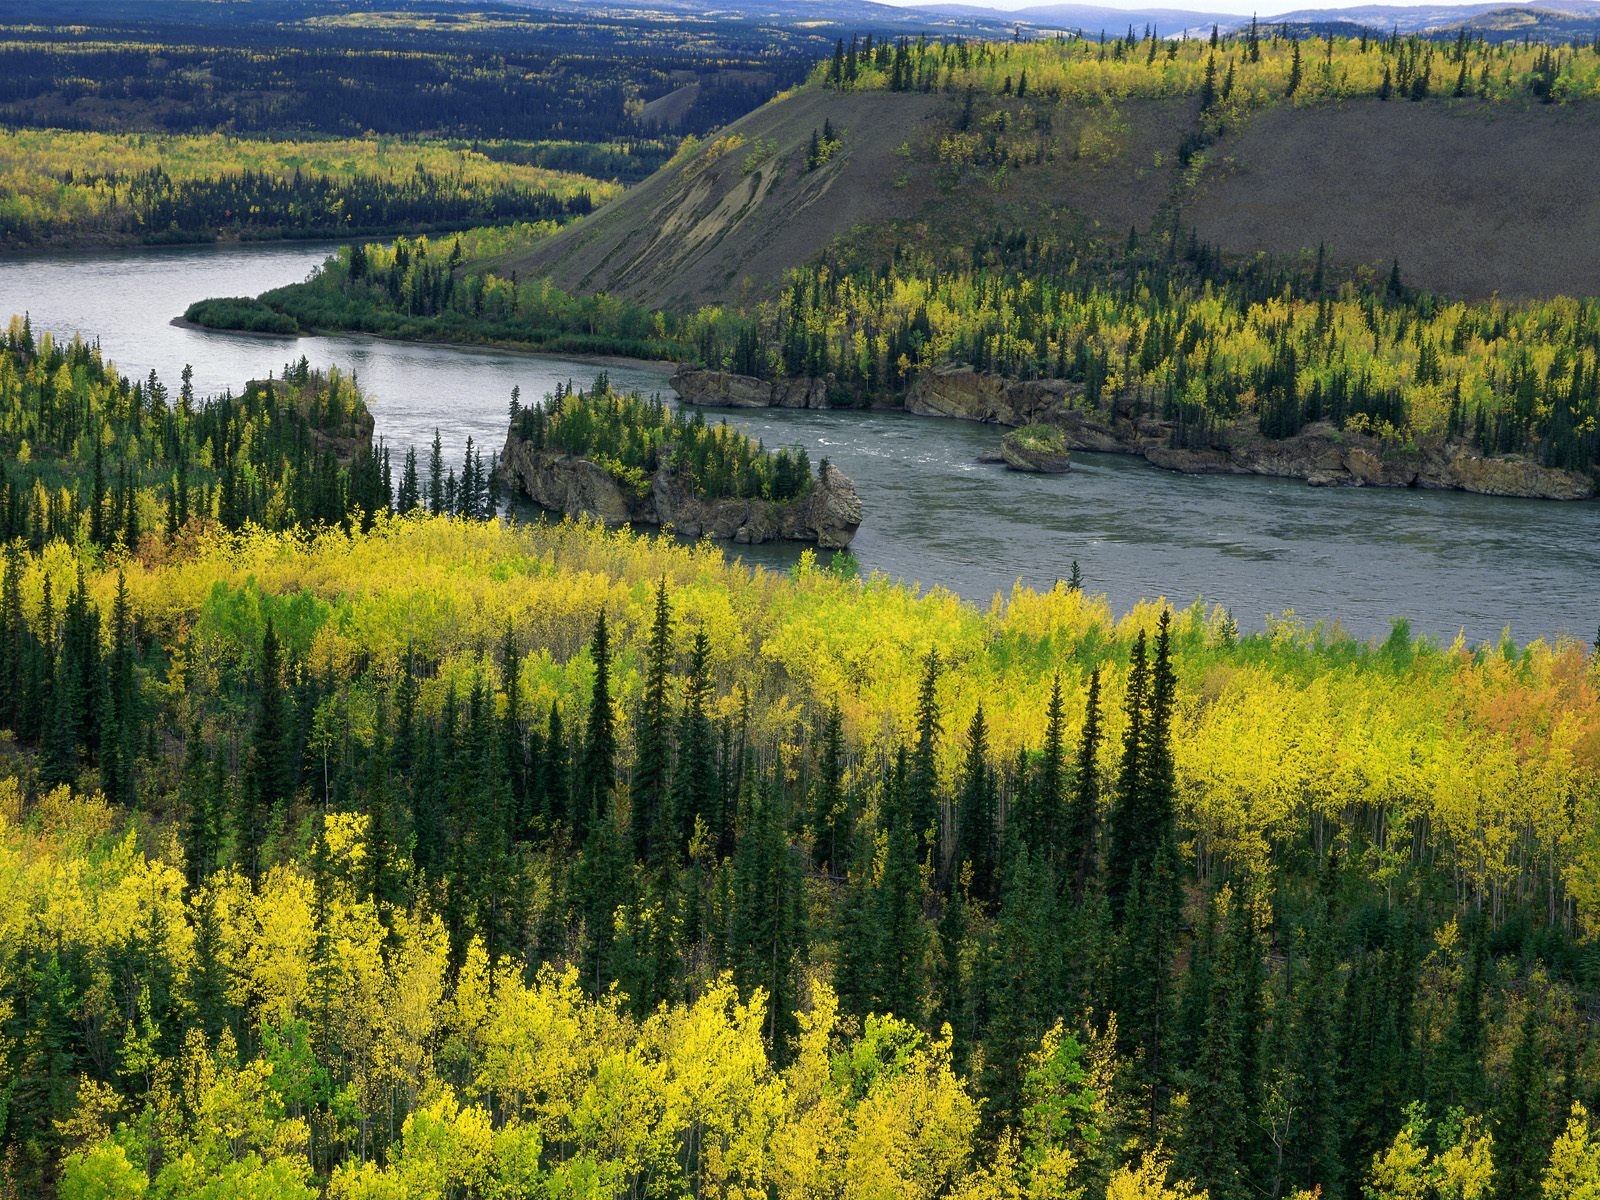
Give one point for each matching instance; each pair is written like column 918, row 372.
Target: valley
column 824, row 602
column 935, row 516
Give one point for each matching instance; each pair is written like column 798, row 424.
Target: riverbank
column 1447, row 561
column 621, row 361
column 246, row 314
column 1321, row 454
column 221, row 240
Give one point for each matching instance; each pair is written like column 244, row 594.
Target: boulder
column 829, row 514
column 566, row 483
column 967, row 395
column 1037, row 448
column 724, row 389
column 1320, row 454
column 1511, row 475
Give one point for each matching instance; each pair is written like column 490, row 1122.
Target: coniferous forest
column 365, row 836
column 357, row 850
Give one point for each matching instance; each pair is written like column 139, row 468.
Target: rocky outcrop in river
column 1321, row 454
column 1040, row 449
column 969, row 395
column 828, row 514
column 723, row 389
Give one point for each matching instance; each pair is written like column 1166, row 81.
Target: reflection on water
column 1446, row 561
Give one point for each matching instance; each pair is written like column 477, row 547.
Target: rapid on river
column 1447, row 562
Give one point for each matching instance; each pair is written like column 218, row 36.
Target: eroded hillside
column 722, row 225
column 1472, row 195
column 1471, row 200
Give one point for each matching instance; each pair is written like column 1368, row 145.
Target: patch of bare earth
column 1472, row 199
column 724, row 227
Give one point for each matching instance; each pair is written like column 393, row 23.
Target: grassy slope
column 707, row 230
column 1472, row 199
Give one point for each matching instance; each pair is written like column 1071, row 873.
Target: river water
column 1447, row 562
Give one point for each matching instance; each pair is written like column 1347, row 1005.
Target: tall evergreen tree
column 976, row 817
column 1040, row 813
column 653, row 751
column 436, row 496
column 922, row 788
column 273, row 770
column 766, row 929
column 830, row 814
column 1130, row 838
column 1083, row 813
column 599, row 738
column 695, row 795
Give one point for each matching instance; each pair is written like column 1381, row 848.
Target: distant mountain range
column 1546, row 19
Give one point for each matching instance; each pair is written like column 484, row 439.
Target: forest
column 314, row 69
column 360, row 840
column 396, row 851
column 431, row 289
column 1161, row 326
column 633, row 436
column 1263, row 64
column 95, row 460
column 58, row 186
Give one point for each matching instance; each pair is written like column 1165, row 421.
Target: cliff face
column 1320, row 454
column 723, row 389
column 969, row 395
column 827, row 515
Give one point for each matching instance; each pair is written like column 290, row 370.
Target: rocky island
column 628, row 460
column 1037, row 449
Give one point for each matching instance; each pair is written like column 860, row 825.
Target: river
column 1447, row 562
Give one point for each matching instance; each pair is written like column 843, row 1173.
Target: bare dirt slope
column 1471, row 199
column 723, row 227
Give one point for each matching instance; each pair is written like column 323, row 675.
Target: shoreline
column 331, row 238
column 521, row 348
column 1320, row 454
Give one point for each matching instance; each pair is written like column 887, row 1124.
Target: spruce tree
column 922, row 801
column 273, row 774
column 1142, row 817
column 436, row 496
column 599, row 740
column 695, row 794
column 1083, row 812
column 1525, row 1117
column 1021, row 977
column 830, row 815
column 1129, row 848
column 1041, row 819
column 603, row 879
column 766, row 929
column 648, row 792
column 976, row 817
column 120, row 720
column 201, row 831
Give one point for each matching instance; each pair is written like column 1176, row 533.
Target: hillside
column 724, row 224
column 1470, row 200
column 1473, row 199
column 1212, row 250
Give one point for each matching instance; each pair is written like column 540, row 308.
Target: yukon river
column 1447, row 562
